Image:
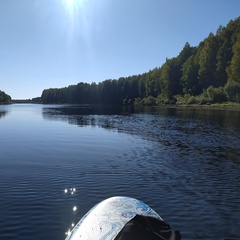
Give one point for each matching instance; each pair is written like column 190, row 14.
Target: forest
column 4, row 98
column 206, row 74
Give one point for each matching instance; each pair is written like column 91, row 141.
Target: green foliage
column 216, row 94
column 152, row 82
column 207, row 62
column 149, row 101
column 232, row 90
column 223, row 58
column 4, row 98
column 192, row 100
column 182, row 99
column 170, row 79
column 138, row 101
column 189, row 79
column 234, row 69
column 203, row 98
column 196, row 76
column 188, row 99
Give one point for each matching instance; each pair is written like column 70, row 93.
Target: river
column 183, row 162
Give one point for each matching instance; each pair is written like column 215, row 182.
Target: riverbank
column 223, row 106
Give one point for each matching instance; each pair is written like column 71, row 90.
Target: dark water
column 184, row 163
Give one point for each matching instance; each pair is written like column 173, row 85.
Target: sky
column 56, row 43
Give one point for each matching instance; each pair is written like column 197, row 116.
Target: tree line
column 208, row 73
column 4, row 98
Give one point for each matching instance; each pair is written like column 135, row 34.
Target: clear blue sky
column 57, row 43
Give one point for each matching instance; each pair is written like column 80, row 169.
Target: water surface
column 184, row 163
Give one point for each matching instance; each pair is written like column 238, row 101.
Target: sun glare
column 70, row 2
column 73, row 3
column 76, row 20
column 74, row 6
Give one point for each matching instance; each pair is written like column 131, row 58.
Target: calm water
column 184, row 163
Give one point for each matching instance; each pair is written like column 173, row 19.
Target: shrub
column 149, row 101
column 216, row 95
column 232, row 90
column 137, row 101
column 192, row 100
column 182, row 99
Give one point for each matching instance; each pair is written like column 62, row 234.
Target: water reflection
column 3, row 113
column 85, row 115
column 191, row 131
column 151, row 122
column 224, row 117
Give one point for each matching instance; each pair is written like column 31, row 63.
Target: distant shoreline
column 220, row 106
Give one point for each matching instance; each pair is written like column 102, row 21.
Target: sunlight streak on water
column 74, row 208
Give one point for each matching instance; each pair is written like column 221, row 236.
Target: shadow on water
column 150, row 118
column 186, row 129
column 223, row 117
column 85, row 115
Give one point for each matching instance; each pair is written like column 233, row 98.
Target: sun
column 70, row 2
column 74, row 5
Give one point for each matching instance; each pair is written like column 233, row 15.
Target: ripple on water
column 185, row 167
